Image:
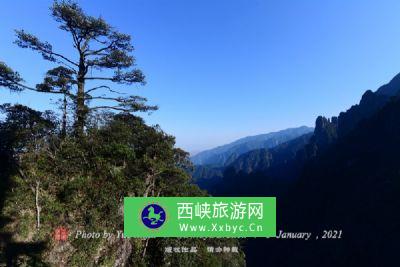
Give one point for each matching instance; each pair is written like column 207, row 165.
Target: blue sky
column 220, row 70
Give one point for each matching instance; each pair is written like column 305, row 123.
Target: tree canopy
column 101, row 56
column 52, row 177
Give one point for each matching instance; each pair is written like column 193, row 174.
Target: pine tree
column 98, row 48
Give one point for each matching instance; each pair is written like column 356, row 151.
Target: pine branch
column 26, row 40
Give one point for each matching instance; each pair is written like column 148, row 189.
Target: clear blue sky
column 224, row 69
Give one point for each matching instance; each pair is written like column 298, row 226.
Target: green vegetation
column 55, row 172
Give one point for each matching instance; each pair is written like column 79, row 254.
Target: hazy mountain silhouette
column 209, row 176
column 263, row 159
column 260, row 172
column 226, row 154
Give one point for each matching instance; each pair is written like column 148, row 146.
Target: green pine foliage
column 74, row 170
column 80, row 182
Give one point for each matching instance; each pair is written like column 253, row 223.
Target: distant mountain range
column 272, row 154
column 225, row 155
column 250, row 154
column 275, row 161
column 263, row 159
column 345, row 175
column 342, row 176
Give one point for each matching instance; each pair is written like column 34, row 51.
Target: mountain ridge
column 262, row 159
column 225, row 154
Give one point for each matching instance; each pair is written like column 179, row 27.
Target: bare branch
column 117, row 99
column 98, row 52
column 103, row 87
column 97, row 88
column 99, row 78
column 111, row 107
column 61, row 56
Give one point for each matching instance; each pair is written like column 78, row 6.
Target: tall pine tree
column 97, row 49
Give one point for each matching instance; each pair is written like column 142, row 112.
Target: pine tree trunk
column 37, row 205
column 64, row 118
column 80, row 109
